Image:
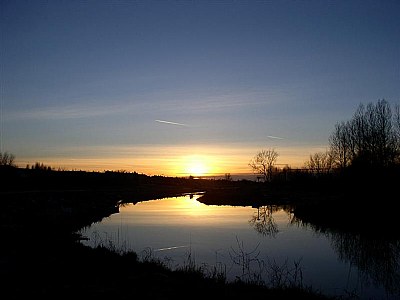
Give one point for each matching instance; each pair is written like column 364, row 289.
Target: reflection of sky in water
column 175, row 227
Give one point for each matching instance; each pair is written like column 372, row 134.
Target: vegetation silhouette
column 263, row 162
column 42, row 211
column 7, row 159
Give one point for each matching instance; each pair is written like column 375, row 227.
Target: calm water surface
column 179, row 230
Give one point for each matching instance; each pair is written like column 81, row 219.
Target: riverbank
column 70, row 270
column 42, row 256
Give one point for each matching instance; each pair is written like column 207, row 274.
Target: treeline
column 366, row 145
column 369, row 140
column 362, row 158
column 45, row 178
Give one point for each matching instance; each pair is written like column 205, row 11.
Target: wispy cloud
column 275, row 137
column 67, row 112
column 171, row 123
column 218, row 99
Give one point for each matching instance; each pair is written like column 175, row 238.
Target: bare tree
column 263, row 163
column 340, row 145
column 397, row 119
column 320, row 162
column 369, row 138
column 7, row 159
column 396, row 122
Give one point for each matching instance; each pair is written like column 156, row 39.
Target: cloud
column 171, row 123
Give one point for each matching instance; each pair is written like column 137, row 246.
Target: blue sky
column 84, row 82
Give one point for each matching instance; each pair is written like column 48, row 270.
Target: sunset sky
column 185, row 87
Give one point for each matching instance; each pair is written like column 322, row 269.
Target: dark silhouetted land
column 41, row 256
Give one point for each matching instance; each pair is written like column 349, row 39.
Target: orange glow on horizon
column 180, row 161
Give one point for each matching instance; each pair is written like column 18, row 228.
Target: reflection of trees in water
column 263, row 221
column 377, row 258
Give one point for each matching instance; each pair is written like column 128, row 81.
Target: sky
column 183, row 87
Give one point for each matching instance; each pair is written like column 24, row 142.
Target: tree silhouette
column 320, row 162
column 340, row 145
column 370, row 139
column 263, row 163
column 397, row 127
column 7, row 159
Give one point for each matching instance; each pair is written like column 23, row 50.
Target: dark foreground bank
column 46, row 260
column 75, row 271
column 41, row 255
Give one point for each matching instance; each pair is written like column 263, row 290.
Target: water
column 249, row 243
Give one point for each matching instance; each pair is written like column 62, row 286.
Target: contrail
column 171, row 123
column 275, row 137
column 170, row 248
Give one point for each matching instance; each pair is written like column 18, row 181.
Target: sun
column 196, row 165
column 197, row 168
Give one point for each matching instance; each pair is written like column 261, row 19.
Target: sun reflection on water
column 183, row 210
